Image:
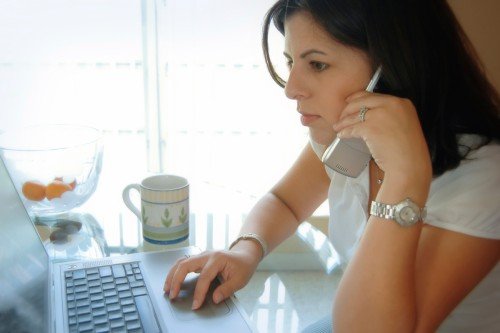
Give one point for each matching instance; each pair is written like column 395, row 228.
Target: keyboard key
column 68, row 275
column 105, row 271
column 122, row 287
column 116, row 323
column 95, row 290
column 131, row 316
column 69, row 284
column 83, row 295
column 97, row 304
column 108, row 286
column 126, row 301
column 138, row 277
column 84, row 318
column 92, row 271
column 100, row 312
column 72, row 320
column 94, row 283
column 136, row 271
column 70, row 297
column 79, row 274
column 82, row 302
column 85, row 327
column 125, row 294
column 72, row 312
column 79, row 289
column 71, row 305
column 107, row 279
column 92, row 277
column 121, row 281
column 109, row 293
column 102, row 328
column 129, row 308
column 139, row 291
column 136, row 284
column 113, row 307
column 98, row 320
column 133, row 325
column 73, row 328
column 134, row 265
column 83, row 310
column 118, row 271
column 96, row 297
column 115, row 315
column 111, row 300
column 80, row 282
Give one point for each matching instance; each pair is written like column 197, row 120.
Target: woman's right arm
column 274, row 218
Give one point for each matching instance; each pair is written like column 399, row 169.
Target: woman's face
column 323, row 73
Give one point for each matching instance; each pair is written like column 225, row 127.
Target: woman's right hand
column 234, row 267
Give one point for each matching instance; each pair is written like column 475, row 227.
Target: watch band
column 383, row 210
column 406, row 213
column 254, row 237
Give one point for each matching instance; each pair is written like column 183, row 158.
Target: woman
column 432, row 128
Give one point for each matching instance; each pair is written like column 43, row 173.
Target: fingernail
column 217, row 298
column 171, row 295
column 196, row 304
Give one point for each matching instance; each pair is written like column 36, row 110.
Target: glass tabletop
column 292, row 288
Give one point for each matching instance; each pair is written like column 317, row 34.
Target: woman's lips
column 306, row 120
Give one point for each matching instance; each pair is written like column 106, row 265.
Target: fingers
column 178, row 273
column 225, row 290
column 207, row 275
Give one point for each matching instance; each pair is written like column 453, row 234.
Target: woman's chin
column 322, row 137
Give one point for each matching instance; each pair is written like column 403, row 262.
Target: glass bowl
column 55, row 168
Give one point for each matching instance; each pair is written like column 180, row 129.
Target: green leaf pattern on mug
column 166, row 220
column 144, row 217
column 182, row 216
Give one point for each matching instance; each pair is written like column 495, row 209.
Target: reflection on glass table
column 293, row 286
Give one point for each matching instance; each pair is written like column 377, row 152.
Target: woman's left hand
column 392, row 132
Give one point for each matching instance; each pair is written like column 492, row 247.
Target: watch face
column 407, row 213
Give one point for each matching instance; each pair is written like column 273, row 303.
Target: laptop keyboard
column 109, row 299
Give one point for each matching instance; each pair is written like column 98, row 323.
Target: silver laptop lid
column 24, row 265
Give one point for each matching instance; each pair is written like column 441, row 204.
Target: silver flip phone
column 350, row 156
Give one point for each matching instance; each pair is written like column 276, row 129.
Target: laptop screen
column 24, row 269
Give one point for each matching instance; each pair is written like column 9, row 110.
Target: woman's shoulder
column 466, row 199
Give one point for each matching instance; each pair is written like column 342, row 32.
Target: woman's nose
column 294, row 87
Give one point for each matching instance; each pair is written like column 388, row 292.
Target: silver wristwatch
column 406, row 213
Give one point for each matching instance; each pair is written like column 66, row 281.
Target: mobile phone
column 350, row 156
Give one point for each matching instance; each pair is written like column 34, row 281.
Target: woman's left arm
column 398, row 272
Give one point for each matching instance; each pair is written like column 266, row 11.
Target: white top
column 465, row 200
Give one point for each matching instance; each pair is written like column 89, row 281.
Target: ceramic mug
column 164, row 209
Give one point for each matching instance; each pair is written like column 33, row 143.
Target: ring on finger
column 362, row 113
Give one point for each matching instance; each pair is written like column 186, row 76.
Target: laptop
column 114, row 294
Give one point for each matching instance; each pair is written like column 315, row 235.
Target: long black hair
column 426, row 57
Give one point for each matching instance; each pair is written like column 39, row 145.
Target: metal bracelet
column 256, row 238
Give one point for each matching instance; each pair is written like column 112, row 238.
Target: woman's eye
column 318, row 66
column 289, row 64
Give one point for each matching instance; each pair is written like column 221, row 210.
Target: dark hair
column 426, row 57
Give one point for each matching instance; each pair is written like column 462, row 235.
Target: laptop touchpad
column 181, row 305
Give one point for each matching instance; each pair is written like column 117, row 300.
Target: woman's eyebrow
column 306, row 53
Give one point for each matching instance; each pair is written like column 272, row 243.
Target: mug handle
column 128, row 202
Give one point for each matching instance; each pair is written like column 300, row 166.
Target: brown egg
column 56, row 189
column 34, row 190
